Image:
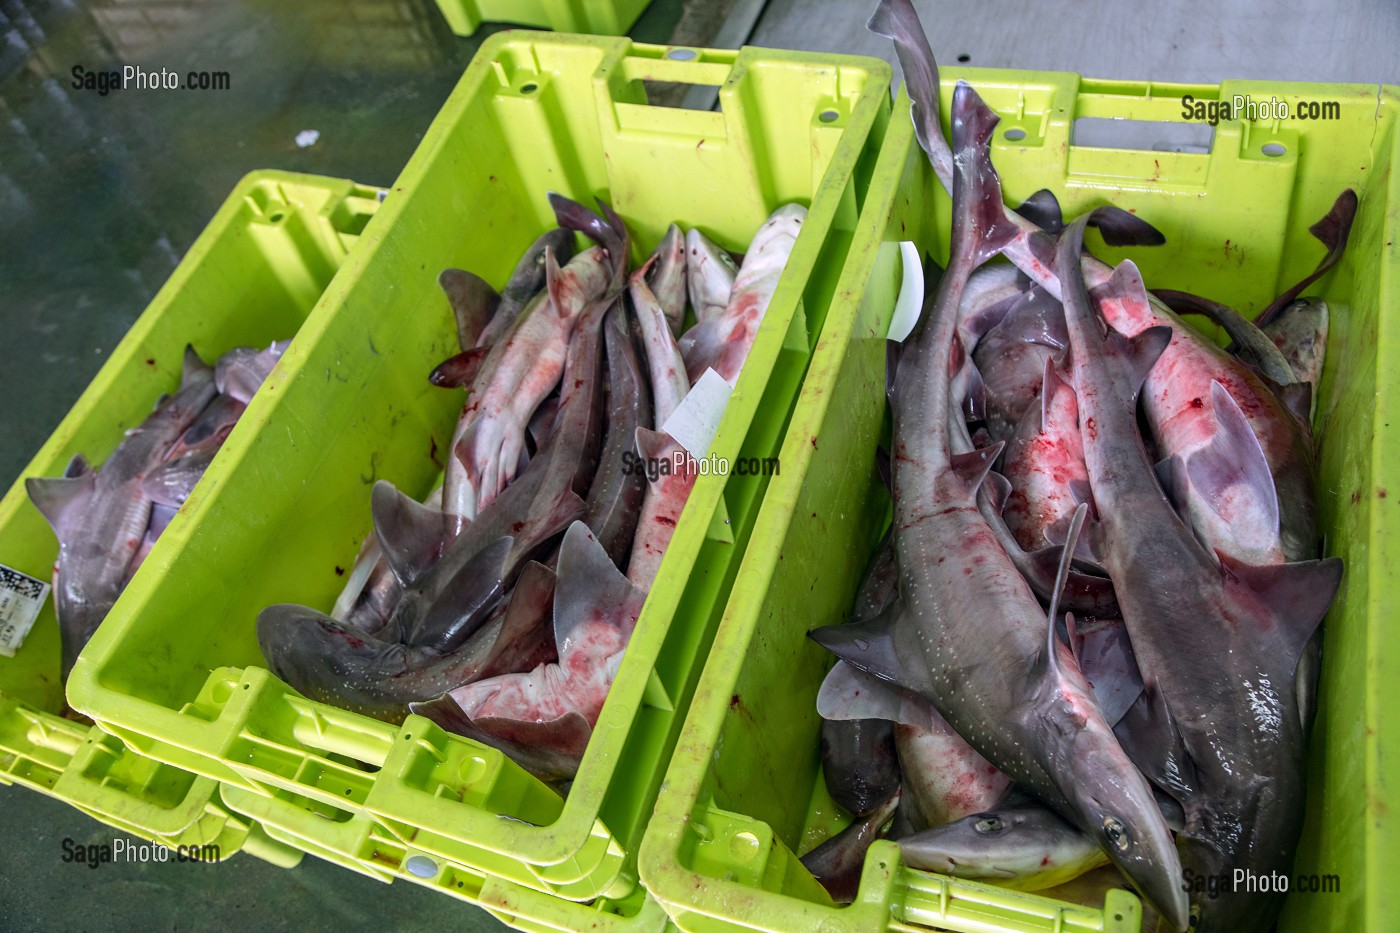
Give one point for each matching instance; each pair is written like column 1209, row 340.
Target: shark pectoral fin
column 974, row 466
column 851, row 693
column 59, row 498
column 1120, row 228
column 867, row 645
column 590, row 589
column 1232, row 474
column 1043, row 210
column 1105, row 656
column 459, row 371
column 410, row 534
column 473, row 302
column 1148, row 733
column 466, row 601
column 1296, row 595
column 549, row 750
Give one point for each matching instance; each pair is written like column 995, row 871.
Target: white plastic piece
column 911, row 293
column 696, row 419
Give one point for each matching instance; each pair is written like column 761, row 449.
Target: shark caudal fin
column 473, row 302
column 1043, row 210
column 1332, row 231
column 977, row 188
column 897, row 21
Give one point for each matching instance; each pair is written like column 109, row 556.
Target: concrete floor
column 100, row 196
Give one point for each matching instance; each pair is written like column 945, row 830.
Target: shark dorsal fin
column 473, row 302
column 411, row 534
column 465, row 603
column 1296, row 595
column 590, row 588
column 974, row 466
column 867, row 645
column 60, row 498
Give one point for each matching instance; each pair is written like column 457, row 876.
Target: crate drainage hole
column 420, row 866
column 1014, row 134
column 530, row 88
column 828, row 116
column 681, row 55
column 1273, row 149
column 276, row 217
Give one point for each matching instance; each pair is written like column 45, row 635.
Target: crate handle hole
column 1014, row 134
column 420, row 866
column 1273, row 150
column 828, row 116
column 681, row 55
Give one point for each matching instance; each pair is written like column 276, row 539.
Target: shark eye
column 1117, row 834
column 988, row 823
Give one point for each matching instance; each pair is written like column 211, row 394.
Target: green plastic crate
column 251, row 277
column 177, row 673
column 598, row 17
column 357, row 843
column 744, row 795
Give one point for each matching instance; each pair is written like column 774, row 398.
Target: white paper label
column 21, row 598
column 911, row 293
column 696, row 419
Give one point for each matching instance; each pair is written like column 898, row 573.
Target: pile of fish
column 1091, row 636
column 107, row 520
column 500, row 607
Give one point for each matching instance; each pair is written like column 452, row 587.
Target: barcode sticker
column 21, row 598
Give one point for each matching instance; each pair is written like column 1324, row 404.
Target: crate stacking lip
column 252, row 276
column 177, row 672
column 595, row 17
column 744, row 795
